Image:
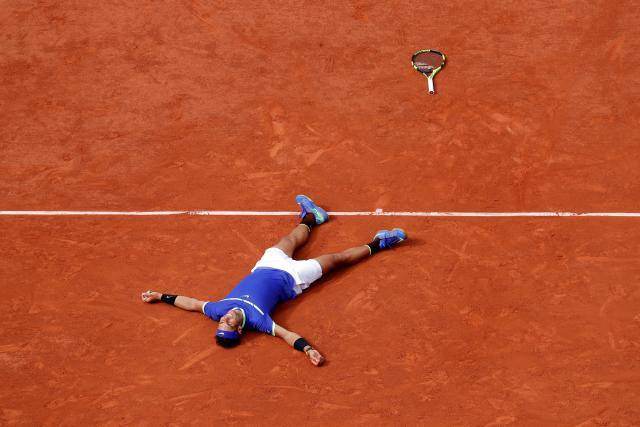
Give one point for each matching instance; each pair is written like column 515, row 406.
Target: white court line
column 377, row 212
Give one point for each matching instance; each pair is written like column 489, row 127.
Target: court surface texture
column 192, row 106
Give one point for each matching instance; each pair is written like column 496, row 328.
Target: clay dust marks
column 280, row 141
column 198, row 357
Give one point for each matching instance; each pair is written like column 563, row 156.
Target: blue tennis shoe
column 390, row 238
column 307, row 206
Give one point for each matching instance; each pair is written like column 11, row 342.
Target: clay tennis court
column 186, row 106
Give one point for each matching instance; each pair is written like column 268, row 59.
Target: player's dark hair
column 226, row 342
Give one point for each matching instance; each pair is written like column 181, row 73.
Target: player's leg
column 350, row 256
column 292, row 241
column 383, row 239
column 311, row 215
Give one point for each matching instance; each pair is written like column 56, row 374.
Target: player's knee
column 284, row 244
column 337, row 260
column 341, row 258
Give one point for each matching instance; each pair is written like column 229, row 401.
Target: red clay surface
column 187, row 105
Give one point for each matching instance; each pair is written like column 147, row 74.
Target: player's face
column 231, row 321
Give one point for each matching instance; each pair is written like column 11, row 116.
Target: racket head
column 428, row 62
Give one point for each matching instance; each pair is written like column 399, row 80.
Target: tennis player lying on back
column 276, row 278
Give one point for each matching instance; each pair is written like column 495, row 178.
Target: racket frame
column 433, row 73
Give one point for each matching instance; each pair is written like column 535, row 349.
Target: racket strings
column 426, row 62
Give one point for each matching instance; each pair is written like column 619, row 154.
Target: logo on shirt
column 246, row 296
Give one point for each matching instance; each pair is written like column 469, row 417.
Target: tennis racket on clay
column 428, row 62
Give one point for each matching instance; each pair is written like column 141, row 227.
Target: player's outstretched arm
column 299, row 343
column 185, row 303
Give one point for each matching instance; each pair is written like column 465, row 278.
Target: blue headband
column 230, row 335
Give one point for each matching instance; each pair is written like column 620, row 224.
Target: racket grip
column 431, row 88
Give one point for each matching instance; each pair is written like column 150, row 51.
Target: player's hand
column 315, row 357
column 151, row 296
